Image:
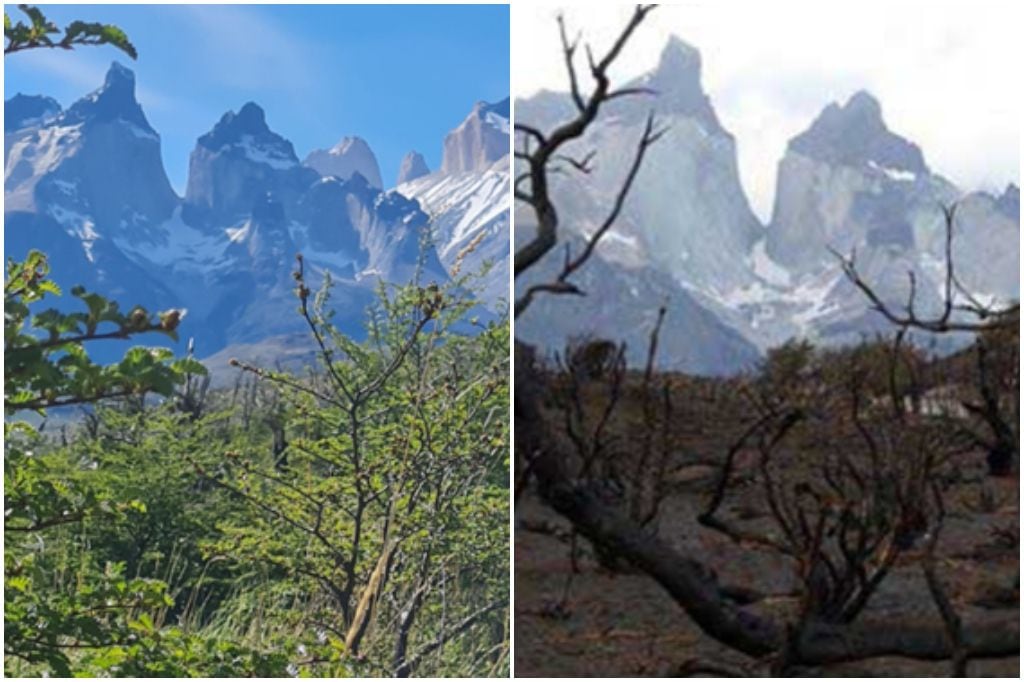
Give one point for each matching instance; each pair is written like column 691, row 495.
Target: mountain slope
column 469, row 202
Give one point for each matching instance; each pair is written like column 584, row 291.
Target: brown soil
column 623, row 624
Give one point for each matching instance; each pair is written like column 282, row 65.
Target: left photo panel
column 256, row 341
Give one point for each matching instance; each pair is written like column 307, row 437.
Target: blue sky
column 400, row 77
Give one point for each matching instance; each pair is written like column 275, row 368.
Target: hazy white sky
column 948, row 73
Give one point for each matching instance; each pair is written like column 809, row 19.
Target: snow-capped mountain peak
column 247, row 131
column 88, row 186
column 847, row 182
column 351, row 155
column 241, row 146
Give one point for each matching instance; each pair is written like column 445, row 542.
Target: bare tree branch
column 549, row 145
column 561, row 285
column 986, row 317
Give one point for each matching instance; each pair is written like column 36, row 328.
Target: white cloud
column 946, row 72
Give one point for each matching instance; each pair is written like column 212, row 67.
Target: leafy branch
column 46, row 364
column 38, row 31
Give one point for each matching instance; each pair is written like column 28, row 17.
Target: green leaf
column 142, row 624
column 19, row 583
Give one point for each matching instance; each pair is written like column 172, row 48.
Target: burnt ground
column 624, row 624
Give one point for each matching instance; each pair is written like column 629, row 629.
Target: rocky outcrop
column 236, row 164
column 479, row 141
column 413, row 166
column 350, row 156
column 22, row 111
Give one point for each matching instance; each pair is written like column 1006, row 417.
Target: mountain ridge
column 226, row 248
column 845, row 182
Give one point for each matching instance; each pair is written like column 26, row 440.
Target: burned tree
column 996, row 406
column 591, row 358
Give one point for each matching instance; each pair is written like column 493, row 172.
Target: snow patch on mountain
column 894, row 173
column 181, row 247
column 41, row 151
column 764, row 267
column 500, row 123
column 271, row 156
column 470, row 208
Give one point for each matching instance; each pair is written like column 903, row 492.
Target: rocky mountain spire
column 480, row 140
column 95, row 167
column 240, row 160
column 854, row 134
column 413, row 166
column 351, row 155
column 114, row 100
column 676, row 85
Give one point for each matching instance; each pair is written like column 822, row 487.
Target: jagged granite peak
column 687, row 209
column 480, row 140
column 676, row 89
column 250, row 122
column 90, row 189
column 413, row 166
column 95, row 169
column 238, row 161
column 349, row 156
column 22, row 111
column 114, row 100
column 848, row 182
column 1009, row 202
column 855, row 134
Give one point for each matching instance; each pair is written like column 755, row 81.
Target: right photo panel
column 766, row 320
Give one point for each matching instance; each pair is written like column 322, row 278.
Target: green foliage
column 38, row 31
column 352, row 520
column 46, row 364
column 389, row 506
